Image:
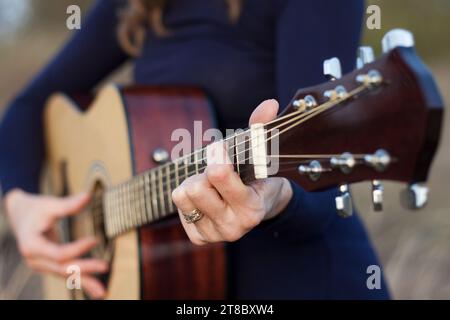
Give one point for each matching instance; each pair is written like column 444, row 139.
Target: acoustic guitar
column 382, row 121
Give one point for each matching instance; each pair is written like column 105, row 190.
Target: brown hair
column 139, row 15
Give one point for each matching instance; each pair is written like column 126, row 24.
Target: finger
column 46, row 266
column 62, row 207
column 86, row 266
column 204, row 196
column 93, row 287
column 223, row 177
column 44, row 248
column 184, row 205
column 265, row 112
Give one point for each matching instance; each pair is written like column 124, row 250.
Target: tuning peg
column 345, row 162
column 377, row 195
column 332, row 69
column 397, row 38
column 344, row 206
column 313, row 170
column 415, row 196
column 365, row 56
column 380, row 160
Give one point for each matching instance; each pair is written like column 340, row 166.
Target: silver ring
column 193, row 216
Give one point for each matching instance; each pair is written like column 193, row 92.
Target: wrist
column 284, row 196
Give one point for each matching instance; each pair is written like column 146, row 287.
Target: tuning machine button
column 313, row 170
column 344, row 206
column 397, row 38
column 415, row 196
column 365, row 56
column 305, row 104
column 345, row 162
column 332, row 69
column 371, row 79
column 380, row 160
column 377, row 195
column 339, row 93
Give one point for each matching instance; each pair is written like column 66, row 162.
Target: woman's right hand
column 32, row 218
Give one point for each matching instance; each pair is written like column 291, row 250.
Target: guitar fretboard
column 147, row 197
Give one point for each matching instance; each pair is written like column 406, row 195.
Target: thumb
column 61, row 207
column 265, row 112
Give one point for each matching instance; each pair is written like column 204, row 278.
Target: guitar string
column 246, row 131
column 303, row 117
column 317, row 110
column 189, row 173
column 309, row 114
column 184, row 175
column 313, row 112
column 164, row 194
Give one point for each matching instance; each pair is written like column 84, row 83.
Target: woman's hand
column 230, row 209
column 32, row 219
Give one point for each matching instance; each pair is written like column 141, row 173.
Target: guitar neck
column 147, row 197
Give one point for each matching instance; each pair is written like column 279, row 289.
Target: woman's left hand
column 229, row 207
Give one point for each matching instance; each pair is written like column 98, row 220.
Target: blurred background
column 413, row 246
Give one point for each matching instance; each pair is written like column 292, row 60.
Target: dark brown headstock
column 400, row 115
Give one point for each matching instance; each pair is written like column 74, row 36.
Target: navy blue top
column 275, row 48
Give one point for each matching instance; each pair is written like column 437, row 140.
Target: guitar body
column 107, row 144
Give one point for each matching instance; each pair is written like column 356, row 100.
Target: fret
column 177, row 177
column 175, row 182
column 132, row 203
column 196, row 161
column 135, row 204
column 128, row 206
column 147, row 197
column 186, row 168
column 120, row 208
column 131, row 211
column 192, row 166
column 137, row 201
column 161, row 191
column 126, row 209
column 154, row 191
column 124, row 215
column 236, row 152
column 115, row 213
column 169, row 188
column 142, row 204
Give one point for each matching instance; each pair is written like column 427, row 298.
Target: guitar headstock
column 380, row 122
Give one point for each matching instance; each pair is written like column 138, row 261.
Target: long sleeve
column 309, row 32
column 90, row 55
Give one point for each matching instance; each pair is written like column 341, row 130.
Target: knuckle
column 197, row 241
column 57, row 255
column 195, row 190
column 232, row 235
column 217, row 172
column 250, row 221
column 26, row 250
column 178, row 195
